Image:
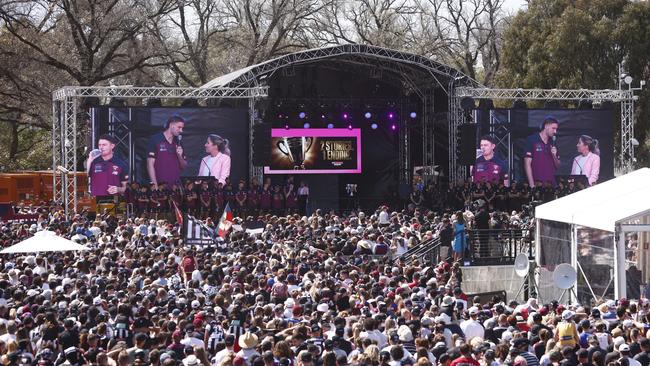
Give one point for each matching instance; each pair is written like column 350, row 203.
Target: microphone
column 553, row 140
column 180, row 137
column 206, row 165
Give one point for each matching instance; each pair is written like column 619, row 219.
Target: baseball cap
column 624, row 348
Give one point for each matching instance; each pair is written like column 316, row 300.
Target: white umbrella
column 44, row 241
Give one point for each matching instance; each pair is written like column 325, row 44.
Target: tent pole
column 620, row 289
column 538, row 245
column 574, row 259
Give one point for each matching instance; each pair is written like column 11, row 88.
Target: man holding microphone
column 541, row 159
column 165, row 158
column 108, row 174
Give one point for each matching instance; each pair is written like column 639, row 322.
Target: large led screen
column 315, row 151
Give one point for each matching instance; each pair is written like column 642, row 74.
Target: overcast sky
column 514, row 4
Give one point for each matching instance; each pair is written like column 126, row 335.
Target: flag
column 179, row 215
column 197, row 233
column 225, row 222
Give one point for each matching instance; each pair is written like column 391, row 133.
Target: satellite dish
column 522, row 265
column 564, row 276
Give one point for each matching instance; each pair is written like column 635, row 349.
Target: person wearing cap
column 567, row 333
column 472, row 327
column 541, row 158
column 108, row 174
column 520, row 345
column 624, row 349
column 585, row 333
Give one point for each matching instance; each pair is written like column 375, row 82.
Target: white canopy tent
column 44, row 241
column 604, row 214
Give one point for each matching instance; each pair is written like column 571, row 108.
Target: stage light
column 117, row 103
column 368, row 115
column 350, row 126
column 286, row 126
column 585, row 104
column 393, row 127
column 391, row 115
column 467, row 103
column 519, row 104
column 374, row 126
column 306, row 125
column 302, row 115
column 280, row 116
column 330, row 125
column 322, row 116
column 485, row 104
column 413, row 115
column 190, row 103
column 346, row 115
column 552, row 104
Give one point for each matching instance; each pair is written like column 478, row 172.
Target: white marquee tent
column 44, row 241
column 588, row 229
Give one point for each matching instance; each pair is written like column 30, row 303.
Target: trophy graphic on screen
column 295, row 148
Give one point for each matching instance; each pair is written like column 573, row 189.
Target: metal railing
column 425, row 252
column 497, row 246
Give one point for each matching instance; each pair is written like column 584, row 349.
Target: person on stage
column 587, row 163
column 165, row 157
column 488, row 166
column 108, row 174
column 217, row 163
column 541, row 158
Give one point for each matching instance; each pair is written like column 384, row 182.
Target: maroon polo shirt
column 104, row 173
column 167, row 166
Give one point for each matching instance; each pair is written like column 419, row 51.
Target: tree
column 92, row 41
column 579, row 44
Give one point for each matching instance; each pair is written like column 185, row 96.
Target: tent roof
column 604, row 204
column 44, row 241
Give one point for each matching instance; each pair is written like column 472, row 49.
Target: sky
column 514, row 4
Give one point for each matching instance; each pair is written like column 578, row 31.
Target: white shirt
column 632, row 362
column 216, row 166
column 376, row 336
column 221, row 355
column 472, row 328
column 384, row 218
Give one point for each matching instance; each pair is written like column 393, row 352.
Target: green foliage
column 579, row 44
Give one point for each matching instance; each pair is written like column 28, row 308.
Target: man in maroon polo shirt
column 108, row 174
column 541, row 158
column 165, row 158
column 488, row 166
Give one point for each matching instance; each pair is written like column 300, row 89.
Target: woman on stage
column 217, row 163
column 587, row 163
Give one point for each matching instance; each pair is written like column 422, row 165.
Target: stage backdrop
column 597, row 123
column 228, row 123
column 315, row 151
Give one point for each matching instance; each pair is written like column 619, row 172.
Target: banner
column 315, row 151
column 196, row 232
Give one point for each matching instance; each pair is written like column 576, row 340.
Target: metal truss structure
column 625, row 97
column 418, row 75
column 65, row 124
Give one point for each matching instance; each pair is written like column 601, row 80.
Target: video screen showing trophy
column 315, row 151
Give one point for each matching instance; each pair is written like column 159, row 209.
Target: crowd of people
column 304, row 292
column 208, row 197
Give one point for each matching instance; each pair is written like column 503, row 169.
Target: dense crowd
column 304, row 292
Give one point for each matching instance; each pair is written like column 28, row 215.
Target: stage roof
column 603, row 205
column 412, row 68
